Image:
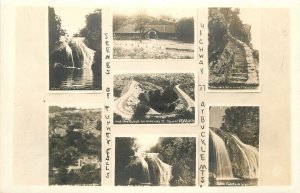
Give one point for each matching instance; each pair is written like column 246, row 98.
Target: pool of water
column 74, row 79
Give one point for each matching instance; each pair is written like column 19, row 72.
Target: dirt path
column 190, row 102
column 124, row 104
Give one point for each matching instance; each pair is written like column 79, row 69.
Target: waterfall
column 138, row 170
column 160, row 172
column 223, row 163
column 148, row 169
column 250, row 157
column 82, row 55
column 69, row 52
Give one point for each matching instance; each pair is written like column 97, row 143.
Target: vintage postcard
column 148, row 96
column 75, row 53
column 234, row 145
column 75, row 136
column 151, row 160
column 153, row 33
column 154, row 98
column 233, row 48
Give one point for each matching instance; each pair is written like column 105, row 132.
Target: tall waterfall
column 160, row 172
column 249, row 157
column 149, row 169
column 82, row 55
column 69, row 52
column 223, row 163
column 245, row 158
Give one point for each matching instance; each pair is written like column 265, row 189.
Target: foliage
column 222, row 23
column 180, row 153
column 65, row 150
column 88, row 174
column 185, row 29
column 125, row 147
column 217, row 29
column 55, row 30
column 140, row 111
column 244, row 122
column 163, row 101
column 149, row 53
column 92, row 30
column 119, row 21
column 140, row 21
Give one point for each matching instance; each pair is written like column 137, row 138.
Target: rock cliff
column 232, row 60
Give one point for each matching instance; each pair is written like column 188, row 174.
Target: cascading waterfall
column 84, row 55
column 247, row 161
column 69, row 51
column 160, row 172
column 149, row 169
column 223, row 163
column 145, row 171
column 250, row 157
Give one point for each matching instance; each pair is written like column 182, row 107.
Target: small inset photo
column 154, row 98
column 233, row 49
column 233, row 145
column 155, row 161
column 74, row 145
column 153, row 33
column 75, row 48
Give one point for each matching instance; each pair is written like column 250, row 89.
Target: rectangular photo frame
column 160, row 166
column 155, row 98
column 234, row 140
column 234, row 49
column 74, row 49
column 75, row 144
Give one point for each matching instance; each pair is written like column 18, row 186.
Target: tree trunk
column 140, row 36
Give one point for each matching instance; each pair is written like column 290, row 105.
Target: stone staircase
column 244, row 70
column 238, row 72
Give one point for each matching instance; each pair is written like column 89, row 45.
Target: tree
column 185, row 29
column 125, row 148
column 92, row 30
column 140, row 20
column 244, row 122
column 54, row 24
column 119, row 21
column 180, row 153
column 140, row 111
column 166, row 19
column 93, row 39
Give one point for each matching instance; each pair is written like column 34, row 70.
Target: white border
column 194, row 15
column 160, row 135
column 259, row 136
column 72, row 91
column 196, row 94
column 237, row 90
column 75, row 105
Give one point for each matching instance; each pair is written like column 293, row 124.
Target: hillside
column 232, row 60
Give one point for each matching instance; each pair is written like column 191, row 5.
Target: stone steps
column 239, row 74
column 239, row 71
column 237, row 79
column 240, row 66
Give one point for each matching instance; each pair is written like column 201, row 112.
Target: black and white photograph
column 153, row 33
column 154, row 98
column 75, row 49
column 75, row 145
column 233, row 49
column 234, row 145
column 147, row 160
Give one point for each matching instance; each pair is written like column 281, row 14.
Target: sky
column 146, row 142
column 215, row 116
column 252, row 16
column 175, row 13
column 73, row 18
